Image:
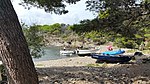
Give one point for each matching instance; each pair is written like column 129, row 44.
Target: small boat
column 67, row 52
column 111, row 58
column 85, row 52
column 114, row 52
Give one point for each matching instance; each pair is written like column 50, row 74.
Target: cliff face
column 69, row 42
column 53, row 40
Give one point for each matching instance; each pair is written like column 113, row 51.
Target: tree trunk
column 13, row 48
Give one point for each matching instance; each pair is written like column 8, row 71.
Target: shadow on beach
column 119, row 74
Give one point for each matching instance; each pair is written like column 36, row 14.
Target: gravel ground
column 77, row 70
column 74, row 61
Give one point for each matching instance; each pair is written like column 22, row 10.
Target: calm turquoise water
column 51, row 53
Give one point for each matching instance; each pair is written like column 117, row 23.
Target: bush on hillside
column 147, row 46
column 125, row 43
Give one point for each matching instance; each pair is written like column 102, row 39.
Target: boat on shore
column 113, row 52
column 67, row 52
column 88, row 52
column 111, row 58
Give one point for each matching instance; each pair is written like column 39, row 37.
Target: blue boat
column 111, row 58
column 114, row 52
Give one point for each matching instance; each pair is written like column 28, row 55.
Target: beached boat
column 114, row 52
column 67, row 52
column 85, row 52
column 111, row 58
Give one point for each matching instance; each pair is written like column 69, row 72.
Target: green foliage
column 135, row 50
column 85, row 26
column 94, row 65
column 44, row 28
column 103, row 14
column 132, row 51
column 138, row 36
column 96, row 36
column 52, row 6
column 35, row 40
column 124, row 42
column 52, row 29
column 148, row 46
column 121, row 14
column 146, row 1
column 147, row 35
column 126, row 18
column 71, row 27
column 92, row 34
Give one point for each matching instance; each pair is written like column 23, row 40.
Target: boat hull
column 85, row 52
column 111, row 58
column 115, row 52
column 69, row 53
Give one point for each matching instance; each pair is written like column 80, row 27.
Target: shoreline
column 76, row 70
column 80, row 60
column 74, row 62
column 85, row 70
column 66, row 62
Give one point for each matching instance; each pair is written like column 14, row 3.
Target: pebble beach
column 84, row 70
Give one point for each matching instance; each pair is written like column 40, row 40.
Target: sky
column 76, row 13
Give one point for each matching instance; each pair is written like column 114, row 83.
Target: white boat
column 85, row 52
column 66, row 52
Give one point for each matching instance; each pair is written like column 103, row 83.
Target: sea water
column 51, row 53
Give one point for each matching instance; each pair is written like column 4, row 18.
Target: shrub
column 147, row 46
column 125, row 43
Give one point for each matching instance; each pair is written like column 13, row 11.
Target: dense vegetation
column 34, row 39
column 124, row 22
column 36, row 35
column 90, row 29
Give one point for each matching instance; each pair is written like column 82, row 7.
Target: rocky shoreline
column 122, row 74
column 80, row 70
